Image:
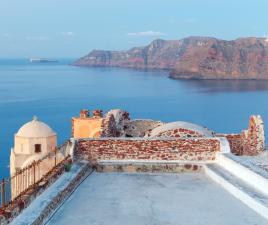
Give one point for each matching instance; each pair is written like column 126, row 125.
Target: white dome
column 35, row 129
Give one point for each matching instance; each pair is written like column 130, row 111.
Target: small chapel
column 32, row 142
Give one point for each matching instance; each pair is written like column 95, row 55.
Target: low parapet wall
column 250, row 141
column 191, row 149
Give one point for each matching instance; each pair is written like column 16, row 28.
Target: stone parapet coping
column 144, row 138
column 147, row 167
column 132, row 161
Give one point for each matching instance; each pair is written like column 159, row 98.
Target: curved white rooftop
column 35, row 129
column 180, row 124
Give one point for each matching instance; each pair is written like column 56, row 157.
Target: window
column 37, row 148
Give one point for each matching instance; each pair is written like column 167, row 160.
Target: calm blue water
column 56, row 92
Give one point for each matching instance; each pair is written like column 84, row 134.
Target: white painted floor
column 153, row 199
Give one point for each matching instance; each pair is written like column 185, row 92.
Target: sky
column 72, row 28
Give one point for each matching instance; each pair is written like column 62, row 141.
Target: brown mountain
column 192, row 58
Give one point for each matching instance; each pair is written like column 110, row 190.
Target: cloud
column 68, row 33
column 37, row 38
column 148, row 33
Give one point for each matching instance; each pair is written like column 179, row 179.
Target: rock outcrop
column 192, row 58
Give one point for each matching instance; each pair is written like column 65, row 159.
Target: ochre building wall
column 86, row 127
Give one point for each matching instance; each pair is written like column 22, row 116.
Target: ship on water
column 43, row 60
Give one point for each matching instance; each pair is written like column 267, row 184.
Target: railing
column 29, row 176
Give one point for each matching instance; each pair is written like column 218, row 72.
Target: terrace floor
column 153, row 199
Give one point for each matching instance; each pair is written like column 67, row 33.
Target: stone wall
column 198, row 149
column 236, row 143
column 114, row 122
column 140, row 127
column 253, row 137
column 250, row 141
column 148, row 167
column 180, row 133
column 108, row 127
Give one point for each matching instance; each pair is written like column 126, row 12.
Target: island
column 191, row 58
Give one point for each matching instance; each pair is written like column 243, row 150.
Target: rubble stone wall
column 250, row 141
column 236, row 143
column 253, row 138
column 180, row 133
column 198, row 149
column 108, row 127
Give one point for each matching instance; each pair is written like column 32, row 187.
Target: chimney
column 97, row 113
column 84, row 113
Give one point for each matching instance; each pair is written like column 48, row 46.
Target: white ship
column 42, row 60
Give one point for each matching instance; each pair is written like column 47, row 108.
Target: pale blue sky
column 71, row 28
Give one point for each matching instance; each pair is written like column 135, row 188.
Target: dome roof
column 35, row 129
column 180, row 124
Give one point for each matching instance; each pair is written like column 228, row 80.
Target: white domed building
column 32, row 141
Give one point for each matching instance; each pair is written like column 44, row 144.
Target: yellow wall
column 86, row 127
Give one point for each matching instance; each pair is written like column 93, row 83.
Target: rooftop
column 124, row 198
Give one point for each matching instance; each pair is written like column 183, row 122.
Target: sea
column 55, row 92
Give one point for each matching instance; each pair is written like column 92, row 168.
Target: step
column 246, row 193
column 248, row 174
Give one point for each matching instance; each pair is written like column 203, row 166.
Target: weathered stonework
column 108, row 127
column 121, row 118
column 148, row 149
column 140, row 127
column 250, row 141
column 148, row 167
column 117, row 123
column 235, row 142
column 254, row 140
column 180, row 133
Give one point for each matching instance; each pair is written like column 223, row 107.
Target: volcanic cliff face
column 192, row 58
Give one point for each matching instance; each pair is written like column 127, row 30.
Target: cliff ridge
column 191, row 58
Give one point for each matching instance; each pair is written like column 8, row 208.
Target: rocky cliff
column 192, row 58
